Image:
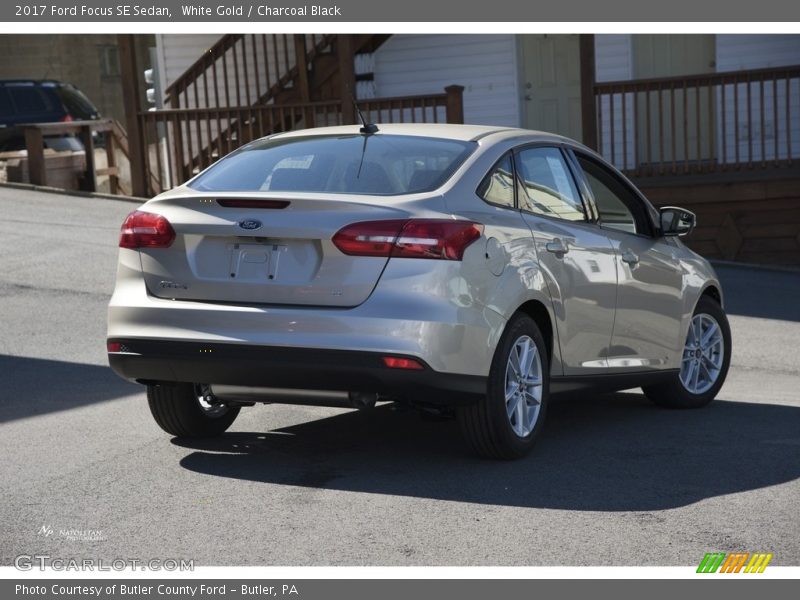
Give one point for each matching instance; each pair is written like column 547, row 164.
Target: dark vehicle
column 29, row 101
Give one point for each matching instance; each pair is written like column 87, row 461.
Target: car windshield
column 379, row 164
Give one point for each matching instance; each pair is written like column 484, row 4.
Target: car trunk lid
column 263, row 249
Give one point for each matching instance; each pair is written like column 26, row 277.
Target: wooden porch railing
column 114, row 139
column 241, row 70
column 701, row 123
column 181, row 142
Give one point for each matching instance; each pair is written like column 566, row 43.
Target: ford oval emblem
column 250, row 224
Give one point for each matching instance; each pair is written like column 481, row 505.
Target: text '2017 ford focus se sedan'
column 481, row 269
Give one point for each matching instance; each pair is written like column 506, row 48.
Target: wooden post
column 34, row 142
column 111, row 162
column 588, row 108
column 132, row 101
column 89, row 180
column 455, row 103
column 301, row 56
column 347, row 77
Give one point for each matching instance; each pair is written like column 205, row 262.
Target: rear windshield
column 77, row 105
column 379, row 164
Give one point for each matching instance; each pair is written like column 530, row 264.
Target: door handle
column 630, row 258
column 557, row 247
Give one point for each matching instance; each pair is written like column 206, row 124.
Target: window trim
column 507, row 153
column 635, row 194
column 587, row 214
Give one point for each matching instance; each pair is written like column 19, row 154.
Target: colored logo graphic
column 736, row 562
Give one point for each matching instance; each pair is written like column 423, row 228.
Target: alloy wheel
column 703, row 354
column 523, row 390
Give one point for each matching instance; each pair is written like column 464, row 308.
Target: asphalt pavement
column 86, row 473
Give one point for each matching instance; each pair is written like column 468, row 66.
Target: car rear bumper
column 155, row 361
column 404, row 316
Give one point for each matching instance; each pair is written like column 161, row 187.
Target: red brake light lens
column 146, row 230
column 416, row 238
column 445, row 240
column 394, row 362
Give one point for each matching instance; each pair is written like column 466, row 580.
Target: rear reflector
column 416, row 238
column 146, row 230
column 248, row 203
column 393, row 362
column 114, row 347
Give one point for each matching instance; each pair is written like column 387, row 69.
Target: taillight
column 415, row 238
column 146, row 230
column 67, row 118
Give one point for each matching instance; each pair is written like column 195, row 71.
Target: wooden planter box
column 64, row 169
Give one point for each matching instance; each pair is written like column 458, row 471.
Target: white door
column 551, row 83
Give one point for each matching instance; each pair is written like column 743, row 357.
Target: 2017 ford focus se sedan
column 482, row 269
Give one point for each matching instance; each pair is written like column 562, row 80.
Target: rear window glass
column 379, row 164
column 77, row 105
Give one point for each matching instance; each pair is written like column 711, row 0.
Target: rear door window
column 29, row 100
column 6, row 107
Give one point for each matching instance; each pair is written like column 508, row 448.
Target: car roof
column 436, row 130
column 42, row 82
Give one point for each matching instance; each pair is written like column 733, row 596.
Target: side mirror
column 676, row 221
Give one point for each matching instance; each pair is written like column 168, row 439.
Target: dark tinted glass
column 77, row 105
column 28, row 99
column 380, row 164
column 6, row 108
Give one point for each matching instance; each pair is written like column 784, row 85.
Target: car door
column 577, row 259
column 647, row 328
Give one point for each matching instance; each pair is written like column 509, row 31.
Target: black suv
column 30, row 101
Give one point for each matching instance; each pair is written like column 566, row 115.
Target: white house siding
column 177, row 52
column 742, row 52
column 486, row 65
column 613, row 58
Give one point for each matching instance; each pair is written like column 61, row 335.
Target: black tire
column 673, row 394
column 485, row 423
column 177, row 410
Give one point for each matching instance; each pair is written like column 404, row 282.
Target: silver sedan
column 461, row 269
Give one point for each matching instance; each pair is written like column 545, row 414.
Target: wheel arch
column 714, row 291
column 538, row 311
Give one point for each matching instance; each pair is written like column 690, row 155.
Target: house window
column 109, row 60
